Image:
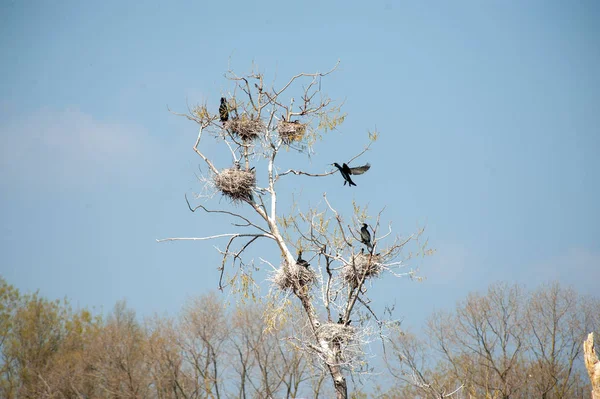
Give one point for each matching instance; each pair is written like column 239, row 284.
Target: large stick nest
column 335, row 332
column 345, row 340
column 359, row 265
column 245, row 127
column 291, row 131
column 294, row 277
column 236, row 184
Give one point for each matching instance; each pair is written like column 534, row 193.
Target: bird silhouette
column 365, row 237
column 223, row 110
column 301, row 261
column 346, row 171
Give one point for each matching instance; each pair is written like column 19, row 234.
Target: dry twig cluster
column 336, row 333
column 359, row 265
column 291, row 131
column 344, row 342
column 245, row 127
column 294, row 277
column 236, row 184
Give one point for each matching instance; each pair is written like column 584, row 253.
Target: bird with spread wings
column 346, row 171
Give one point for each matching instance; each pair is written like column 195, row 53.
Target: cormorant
column 301, row 261
column 365, row 237
column 223, row 111
column 346, row 171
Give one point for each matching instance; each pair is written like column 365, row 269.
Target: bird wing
column 359, row 170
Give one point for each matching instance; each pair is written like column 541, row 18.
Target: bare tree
column 412, row 362
column 557, row 320
column 483, row 341
column 165, row 360
column 263, row 365
column 204, row 332
column 117, row 357
column 256, row 123
column 506, row 343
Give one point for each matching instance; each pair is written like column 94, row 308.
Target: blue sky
column 488, row 114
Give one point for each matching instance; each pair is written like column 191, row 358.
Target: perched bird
column 301, row 261
column 223, row 110
column 365, row 237
column 341, row 320
column 346, row 171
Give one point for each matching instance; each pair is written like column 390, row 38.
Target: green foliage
column 331, row 120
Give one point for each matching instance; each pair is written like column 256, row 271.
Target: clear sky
column 489, row 115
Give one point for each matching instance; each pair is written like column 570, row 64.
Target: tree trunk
column 339, row 382
column 592, row 364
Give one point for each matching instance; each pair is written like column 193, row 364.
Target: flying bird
column 223, row 111
column 301, row 261
column 365, row 237
column 346, row 171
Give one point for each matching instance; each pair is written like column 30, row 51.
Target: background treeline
column 506, row 343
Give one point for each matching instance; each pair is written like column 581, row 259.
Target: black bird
column 223, row 110
column 346, row 171
column 301, row 261
column 340, row 320
column 365, row 237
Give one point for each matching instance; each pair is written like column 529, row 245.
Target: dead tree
column 261, row 123
column 592, row 364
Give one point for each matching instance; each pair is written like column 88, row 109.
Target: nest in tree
column 336, row 333
column 361, row 264
column 291, row 131
column 245, row 127
column 294, row 277
column 236, row 183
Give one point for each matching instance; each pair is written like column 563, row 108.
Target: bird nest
column 291, row 131
column 337, row 333
column 236, row 184
column 359, row 265
column 294, row 277
column 245, row 127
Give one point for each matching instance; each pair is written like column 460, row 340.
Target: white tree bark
column 592, row 364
